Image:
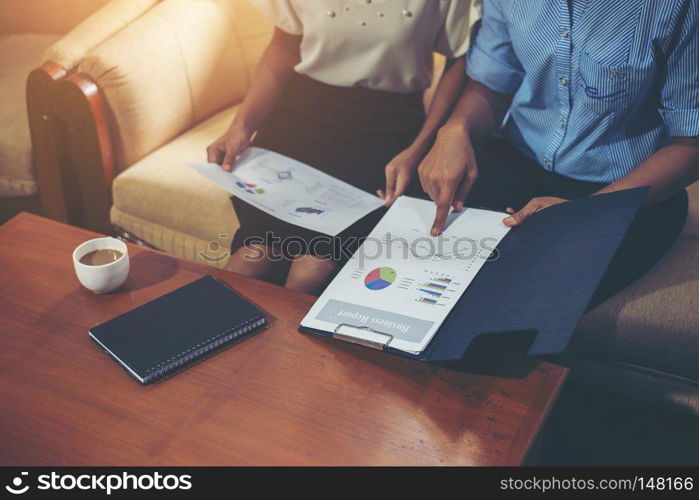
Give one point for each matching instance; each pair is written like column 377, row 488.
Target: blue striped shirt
column 597, row 88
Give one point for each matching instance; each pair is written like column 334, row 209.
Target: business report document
column 398, row 288
column 292, row 191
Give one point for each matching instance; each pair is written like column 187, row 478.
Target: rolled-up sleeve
column 679, row 98
column 454, row 38
column 491, row 59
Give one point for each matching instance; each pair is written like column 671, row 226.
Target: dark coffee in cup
column 100, row 257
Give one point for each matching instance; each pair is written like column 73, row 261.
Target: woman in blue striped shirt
column 599, row 97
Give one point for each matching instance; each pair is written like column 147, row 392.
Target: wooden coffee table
column 279, row 397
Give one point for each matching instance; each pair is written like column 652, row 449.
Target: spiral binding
column 235, row 333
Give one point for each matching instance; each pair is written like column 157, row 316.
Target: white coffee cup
column 107, row 277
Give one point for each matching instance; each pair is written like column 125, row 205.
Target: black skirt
column 351, row 133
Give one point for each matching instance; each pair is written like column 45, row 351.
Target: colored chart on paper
column 249, row 187
column 310, row 210
column 380, row 278
column 426, row 300
column 433, row 289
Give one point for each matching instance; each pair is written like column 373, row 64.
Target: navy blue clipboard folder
column 542, row 280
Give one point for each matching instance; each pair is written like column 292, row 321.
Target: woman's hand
column 448, row 173
column 226, row 148
column 268, row 83
column 534, row 206
column 399, row 174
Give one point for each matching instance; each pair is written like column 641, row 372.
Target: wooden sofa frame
column 73, row 154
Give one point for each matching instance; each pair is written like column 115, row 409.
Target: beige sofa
column 170, row 87
column 44, row 39
column 644, row 342
column 166, row 87
column 171, row 82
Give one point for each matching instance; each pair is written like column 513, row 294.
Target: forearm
column 479, row 111
column 447, row 93
column 671, row 168
column 268, row 82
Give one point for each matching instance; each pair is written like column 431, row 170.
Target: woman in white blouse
column 340, row 88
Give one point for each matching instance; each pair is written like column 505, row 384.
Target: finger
column 518, row 218
column 510, row 210
column 381, row 194
column 443, row 191
column 214, row 154
column 440, row 219
column 229, row 160
column 390, row 183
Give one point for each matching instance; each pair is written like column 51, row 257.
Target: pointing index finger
column 440, row 219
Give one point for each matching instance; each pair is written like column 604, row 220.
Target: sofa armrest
column 40, row 95
column 101, row 25
column 173, row 67
column 84, row 124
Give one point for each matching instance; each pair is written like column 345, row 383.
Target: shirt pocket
column 603, row 89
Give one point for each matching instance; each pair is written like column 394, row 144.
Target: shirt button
column 547, row 164
column 563, row 80
column 562, row 123
column 565, row 33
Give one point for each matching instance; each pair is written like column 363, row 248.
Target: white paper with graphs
column 401, row 284
column 292, row 191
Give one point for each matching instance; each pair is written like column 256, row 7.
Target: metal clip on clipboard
column 363, row 336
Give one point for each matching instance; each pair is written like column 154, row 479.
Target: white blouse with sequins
column 379, row 44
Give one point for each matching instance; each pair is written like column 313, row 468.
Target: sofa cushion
column 19, row 54
column 654, row 322
column 102, row 24
column 162, row 190
column 213, row 252
column 194, row 59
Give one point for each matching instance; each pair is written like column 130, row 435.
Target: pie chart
column 380, row 278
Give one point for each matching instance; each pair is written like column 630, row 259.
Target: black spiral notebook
column 176, row 330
